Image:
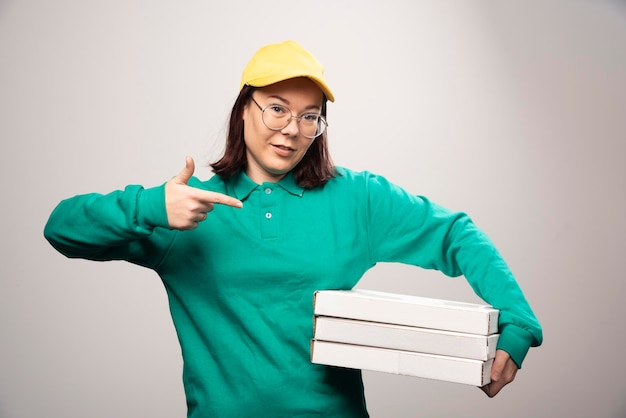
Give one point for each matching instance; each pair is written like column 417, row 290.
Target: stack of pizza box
column 404, row 334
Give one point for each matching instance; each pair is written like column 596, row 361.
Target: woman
column 241, row 254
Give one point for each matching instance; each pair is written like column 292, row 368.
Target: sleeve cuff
column 515, row 341
column 151, row 207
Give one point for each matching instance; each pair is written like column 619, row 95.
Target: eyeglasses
column 277, row 117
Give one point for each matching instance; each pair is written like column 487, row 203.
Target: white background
column 511, row 111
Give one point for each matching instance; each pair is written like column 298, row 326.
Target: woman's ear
column 246, row 109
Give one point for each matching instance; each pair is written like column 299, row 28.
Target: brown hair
column 315, row 168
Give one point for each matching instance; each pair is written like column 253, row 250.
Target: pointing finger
column 214, row 198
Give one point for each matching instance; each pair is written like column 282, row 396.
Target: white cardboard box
column 370, row 305
column 400, row 337
column 429, row 366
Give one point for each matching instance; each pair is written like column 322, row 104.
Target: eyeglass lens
column 277, row 117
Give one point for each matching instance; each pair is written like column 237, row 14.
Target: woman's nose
column 292, row 128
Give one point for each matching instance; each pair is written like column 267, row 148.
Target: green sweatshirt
column 240, row 286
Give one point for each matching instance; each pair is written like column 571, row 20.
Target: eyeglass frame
column 291, row 116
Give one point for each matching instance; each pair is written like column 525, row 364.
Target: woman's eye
column 310, row 117
column 277, row 109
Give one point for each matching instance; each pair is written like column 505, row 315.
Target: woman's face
column 272, row 154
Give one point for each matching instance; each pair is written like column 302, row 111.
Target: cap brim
column 273, row 79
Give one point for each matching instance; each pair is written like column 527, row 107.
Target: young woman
column 241, row 254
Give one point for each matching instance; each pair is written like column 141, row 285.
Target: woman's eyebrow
column 286, row 102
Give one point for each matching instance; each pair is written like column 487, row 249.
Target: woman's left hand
column 503, row 372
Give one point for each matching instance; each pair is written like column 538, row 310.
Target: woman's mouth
column 283, row 150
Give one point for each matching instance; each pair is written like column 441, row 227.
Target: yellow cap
column 282, row 61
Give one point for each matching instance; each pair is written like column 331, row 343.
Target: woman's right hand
column 187, row 206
